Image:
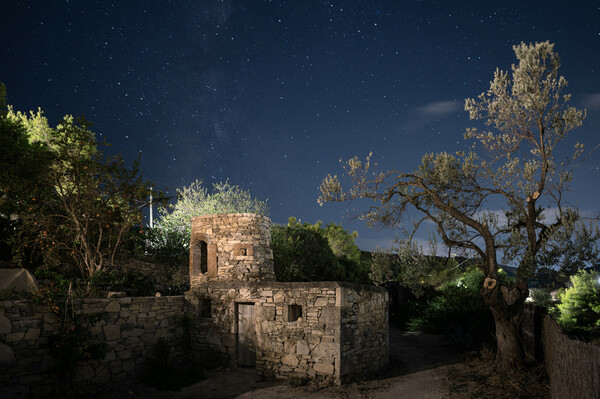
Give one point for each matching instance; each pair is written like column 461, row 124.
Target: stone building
column 321, row 331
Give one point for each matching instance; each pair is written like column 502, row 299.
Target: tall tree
column 512, row 162
column 84, row 205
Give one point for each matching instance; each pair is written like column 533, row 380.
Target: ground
column 421, row 366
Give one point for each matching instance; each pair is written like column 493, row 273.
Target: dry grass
column 478, row 378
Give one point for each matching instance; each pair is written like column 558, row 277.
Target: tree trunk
column 506, row 304
column 509, row 352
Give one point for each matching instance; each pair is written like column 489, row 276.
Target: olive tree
column 512, row 162
column 171, row 236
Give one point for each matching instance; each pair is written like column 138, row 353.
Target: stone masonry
column 236, row 247
column 320, row 331
column 130, row 327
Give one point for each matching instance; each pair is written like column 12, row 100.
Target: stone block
column 14, row 337
column 302, row 348
column 85, row 373
column 213, row 338
column 124, row 354
column 32, row 334
column 7, row 356
column 323, row 368
column 290, row 360
column 161, row 333
column 321, row 301
column 112, row 307
column 5, row 326
column 112, row 332
column 109, row 357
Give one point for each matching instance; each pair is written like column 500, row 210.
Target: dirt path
column 417, row 370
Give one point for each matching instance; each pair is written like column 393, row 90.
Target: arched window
column 200, row 257
column 203, row 256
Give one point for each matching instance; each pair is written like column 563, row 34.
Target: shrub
column 579, row 309
column 302, row 254
column 541, row 298
column 456, row 310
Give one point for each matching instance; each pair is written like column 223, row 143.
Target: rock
column 5, row 326
column 112, row 307
column 323, row 368
column 321, row 301
column 112, row 332
column 290, row 360
column 212, row 338
column 116, row 294
column 7, row 356
column 302, row 348
column 85, row 373
column 32, row 334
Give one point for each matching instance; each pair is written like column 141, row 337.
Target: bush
column 579, row 309
column 456, row 310
column 541, row 298
column 301, row 254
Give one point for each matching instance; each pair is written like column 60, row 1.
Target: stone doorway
column 246, row 335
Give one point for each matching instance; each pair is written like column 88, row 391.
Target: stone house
column 320, row 331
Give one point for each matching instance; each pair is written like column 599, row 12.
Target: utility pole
column 151, row 219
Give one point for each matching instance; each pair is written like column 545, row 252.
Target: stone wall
column 130, row 328
column 573, row 366
column 237, row 247
column 331, row 318
column 365, row 340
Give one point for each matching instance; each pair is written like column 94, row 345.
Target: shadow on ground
column 416, row 370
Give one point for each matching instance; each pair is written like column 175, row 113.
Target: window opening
column 203, row 257
column 204, row 308
column 294, row 312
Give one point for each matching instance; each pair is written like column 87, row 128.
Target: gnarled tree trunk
column 507, row 303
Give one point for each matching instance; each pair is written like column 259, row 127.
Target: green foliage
column 578, row 311
column 573, row 248
column 541, row 297
column 80, row 210
column 172, row 234
column 305, row 252
column 407, row 264
column 73, row 342
column 525, row 118
column 455, row 309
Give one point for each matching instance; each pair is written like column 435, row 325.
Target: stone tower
column 231, row 247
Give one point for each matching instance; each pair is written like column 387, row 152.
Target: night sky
column 270, row 95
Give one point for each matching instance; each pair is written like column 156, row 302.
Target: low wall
column 573, row 366
column 130, row 327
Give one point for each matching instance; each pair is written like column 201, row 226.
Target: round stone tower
column 231, row 247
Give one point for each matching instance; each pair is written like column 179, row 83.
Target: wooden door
column 246, row 335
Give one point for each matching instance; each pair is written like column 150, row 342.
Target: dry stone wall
column 299, row 327
column 130, row 328
column 238, row 248
column 364, row 340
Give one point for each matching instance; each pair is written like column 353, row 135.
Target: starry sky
column 271, row 94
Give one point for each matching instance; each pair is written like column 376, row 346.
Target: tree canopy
column 173, row 229
column 504, row 195
column 65, row 202
column 311, row 252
